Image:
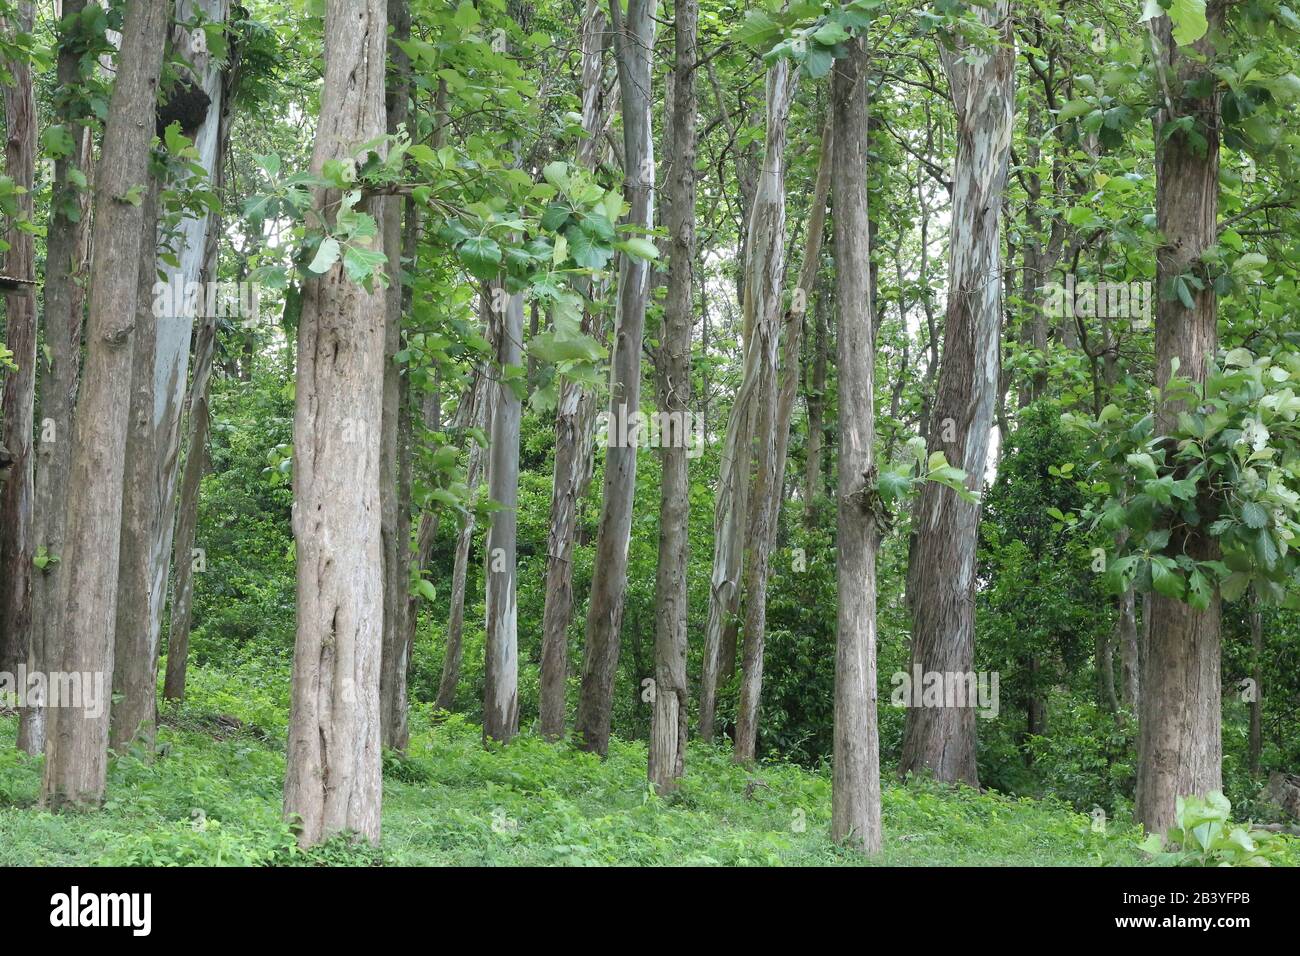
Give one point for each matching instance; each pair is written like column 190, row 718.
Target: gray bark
column 855, row 785
column 395, row 517
column 134, row 707
column 768, row 481
column 475, row 409
column 764, row 273
column 1180, row 745
column 333, row 766
column 633, row 47
column 67, row 256
column 941, row 740
column 668, row 722
column 77, row 741
column 575, row 422
column 501, row 647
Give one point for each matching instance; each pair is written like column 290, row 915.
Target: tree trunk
column 395, row 518
column 187, row 517
column 211, row 140
column 134, row 712
column 753, row 412
column 1181, row 746
column 941, row 740
column 575, row 421
column 1257, row 676
column 332, row 780
column 196, row 456
column 501, row 647
column 67, row 255
column 816, row 399
column 477, row 403
column 668, row 723
column 1127, row 637
column 77, row 744
column 633, row 47
column 855, row 786
column 767, row 492
column 17, row 544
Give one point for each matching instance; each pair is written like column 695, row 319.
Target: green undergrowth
column 210, row 794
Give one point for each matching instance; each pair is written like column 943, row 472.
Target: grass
column 211, row 796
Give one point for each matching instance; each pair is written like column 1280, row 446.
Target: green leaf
column 361, row 263
column 481, row 255
column 1142, row 463
column 327, row 253
column 1189, row 21
column 830, row 34
column 1254, row 515
column 1166, row 578
column 639, row 248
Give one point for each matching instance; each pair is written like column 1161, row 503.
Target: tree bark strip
column 668, row 722
column 77, row 744
column 1180, row 745
column 855, row 785
column 575, row 422
column 633, row 48
column 333, row 766
column 941, row 740
column 764, row 273
column 67, row 257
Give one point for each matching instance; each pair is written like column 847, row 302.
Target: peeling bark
column 633, row 48
column 333, row 765
column 77, row 742
column 855, row 786
column 1180, row 745
column 67, row 259
column 668, row 722
column 764, row 272
column 941, row 740
column 575, row 424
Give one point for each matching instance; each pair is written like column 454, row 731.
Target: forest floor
column 211, row 792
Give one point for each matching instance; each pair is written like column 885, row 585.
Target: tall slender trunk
column 211, row 140
column 815, row 397
column 575, row 421
column 1181, row 747
column 1257, row 676
column 1127, row 638
column 754, row 411
column 395, row 518
column 501, row 647
column 134, row 713
column 196, row 455
column 668, row 722
column 77, row 743
column 187, row 515
column 67, row 255
column 475, row 410
column 158, row 390
column 332, row 778
column 941, row 740
column 633, row 48
column 855, row 786
column 765, row 511
column 17, row 493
